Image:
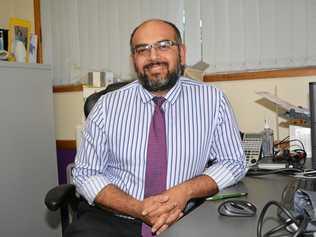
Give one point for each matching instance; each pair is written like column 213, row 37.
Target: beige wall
column 68, row 108
column 249, row 113
column 16, row 8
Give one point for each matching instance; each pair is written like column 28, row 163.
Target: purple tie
column 156, row 165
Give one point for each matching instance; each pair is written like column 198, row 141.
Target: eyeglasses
column 160, row 46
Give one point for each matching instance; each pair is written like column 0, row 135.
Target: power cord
column 287, row 140
column 286, row 171
column 306, row 174
column 294, row 157
column 300, row 222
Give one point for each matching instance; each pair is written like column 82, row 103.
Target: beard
column 159, row 82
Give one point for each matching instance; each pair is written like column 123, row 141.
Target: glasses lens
column 164, row 45
column 144, row 50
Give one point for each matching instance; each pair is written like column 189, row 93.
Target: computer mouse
column 239, row 208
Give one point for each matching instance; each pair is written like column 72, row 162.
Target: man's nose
column 153, row 53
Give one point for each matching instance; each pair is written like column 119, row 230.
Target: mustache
column 149, row 65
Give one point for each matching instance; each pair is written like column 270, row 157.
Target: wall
column 68, row 107
column 16, row 8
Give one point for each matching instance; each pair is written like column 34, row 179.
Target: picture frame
column 19, row 29
column 4, row 39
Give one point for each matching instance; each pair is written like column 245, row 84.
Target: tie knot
column 158, row 100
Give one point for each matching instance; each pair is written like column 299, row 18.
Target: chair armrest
column 59, row 196
column 192, row 204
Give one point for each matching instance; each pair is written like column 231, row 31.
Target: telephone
column 251, row 144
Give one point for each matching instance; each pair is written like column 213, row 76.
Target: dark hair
column 176, row 31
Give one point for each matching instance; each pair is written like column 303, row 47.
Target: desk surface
column 205, row 221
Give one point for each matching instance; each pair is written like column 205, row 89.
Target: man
column 192, row 123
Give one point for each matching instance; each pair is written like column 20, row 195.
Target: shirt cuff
column 92, row 186
column 221, row 175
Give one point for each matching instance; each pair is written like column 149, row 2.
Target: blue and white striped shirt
column 200, row 127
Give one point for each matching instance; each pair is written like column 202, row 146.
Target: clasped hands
column 162, row 210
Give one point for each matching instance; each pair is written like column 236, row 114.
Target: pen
column 226, row 195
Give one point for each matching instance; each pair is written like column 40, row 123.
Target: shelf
column 5, row 64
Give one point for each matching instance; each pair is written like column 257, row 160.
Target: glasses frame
column 160, row 46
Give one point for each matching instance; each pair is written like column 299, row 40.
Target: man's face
column 158, row 67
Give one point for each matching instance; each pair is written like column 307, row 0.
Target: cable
column 295, row 158
column 303, row 225
column 282, row 141
column 309, row 174
column 285, row 171
column 301, row 221
column 295, row 145
column 292, row 140
column 278, row 228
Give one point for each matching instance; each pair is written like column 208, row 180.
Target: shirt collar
column 171, row 96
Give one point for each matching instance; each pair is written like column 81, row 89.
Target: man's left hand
column 179, row 196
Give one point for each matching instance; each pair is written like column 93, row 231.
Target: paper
column 282, row 103
column 33, row 48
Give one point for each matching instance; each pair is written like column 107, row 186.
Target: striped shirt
column 200, row 128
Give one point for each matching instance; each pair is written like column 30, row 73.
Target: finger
column 153, row 203
column 156, row 199
column 174, row 216
column 162, row 229
column 151, row 208
column 163, row 209
column 161, row 198
column 159, row 223
column 180, row 215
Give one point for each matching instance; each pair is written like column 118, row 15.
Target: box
column 304, row 135
column 96, row 79
column 109, row 77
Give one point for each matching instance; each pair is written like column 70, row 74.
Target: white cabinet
column 28, row 166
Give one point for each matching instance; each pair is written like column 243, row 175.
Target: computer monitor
column 312, row 106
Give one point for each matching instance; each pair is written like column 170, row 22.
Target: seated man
column 146, row 147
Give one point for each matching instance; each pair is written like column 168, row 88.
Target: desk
column 205, row 221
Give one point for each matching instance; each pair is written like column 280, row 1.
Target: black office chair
column 64, row 197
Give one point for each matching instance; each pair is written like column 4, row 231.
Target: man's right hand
column 168, row 211
column 158, row 210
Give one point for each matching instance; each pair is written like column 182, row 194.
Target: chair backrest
column 71, row 200
column 88, row 105
column 92, row 99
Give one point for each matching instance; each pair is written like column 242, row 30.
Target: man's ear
column 182, row 52
column 132, row 60
column 132, row 57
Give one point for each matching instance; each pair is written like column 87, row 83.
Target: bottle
column 20, row 52
column 267, row 141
